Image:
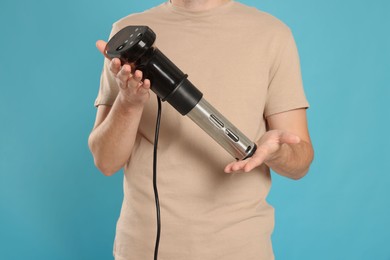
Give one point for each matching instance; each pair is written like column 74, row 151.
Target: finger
column 146, row 84
column 286, row 137
column 138, row 76
column 251, row 164
column 101, row 46
column 135, row 79
column 228, row 168
column 143, row 87
column 124, row 75
column 115, row 66
column 235, row 166
column 238, row 166
column 257, row 159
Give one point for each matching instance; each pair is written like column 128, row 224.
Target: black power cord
column 155, row 178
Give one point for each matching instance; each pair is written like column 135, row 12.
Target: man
column 246, row 64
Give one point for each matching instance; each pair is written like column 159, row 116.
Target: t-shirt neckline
column 216, row 10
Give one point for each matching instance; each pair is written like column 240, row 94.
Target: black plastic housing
column 134, row 45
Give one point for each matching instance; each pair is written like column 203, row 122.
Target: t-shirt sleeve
column 285, row 89
column 108, row 89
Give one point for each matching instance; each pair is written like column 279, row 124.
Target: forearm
column 111, row 142
column 292, row 160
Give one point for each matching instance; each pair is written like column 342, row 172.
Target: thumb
column 101, row 46
column 289, row 138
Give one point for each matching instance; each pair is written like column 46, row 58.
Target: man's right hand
column 133, row 90
column 113, row 136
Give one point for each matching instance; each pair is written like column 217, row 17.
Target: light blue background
column 54, row 204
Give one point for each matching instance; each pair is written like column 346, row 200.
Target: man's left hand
column 267, row 150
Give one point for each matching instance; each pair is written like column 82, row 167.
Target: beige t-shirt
column 246, row 64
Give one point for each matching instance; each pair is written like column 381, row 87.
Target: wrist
column 129, row 106
column 130, row 103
